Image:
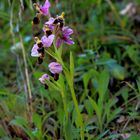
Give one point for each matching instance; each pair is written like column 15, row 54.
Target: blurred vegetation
column 106, row 77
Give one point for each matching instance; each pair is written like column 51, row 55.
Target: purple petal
column 43, row 78
column 68, row 41
column 67, row 31
column 51, row 20
column 51, row 27
column 59, row 42
column 55, row 67
column 50, row 23
column 47, row 41
column 34, row 51
column 45, row 8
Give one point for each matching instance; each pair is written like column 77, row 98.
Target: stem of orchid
column 65, row 109
column 64, row 102
column 75, row 104
column 69, row 78
column 62, row 91
column 57, row 56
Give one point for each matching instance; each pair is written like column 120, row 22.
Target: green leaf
column 6, row 138
column 61, row 83
column 101, row 135
column 37, row 120
column 138, row 84
column 52, row 85
column 38, row 123
column 2, row 132
column 103, row 82
column 134, row 137
column 133, row 53
column 111, row 113
column 116, row 70
column 114, row 114
column 4, row 15
column 88, row 107
column 97, row 111
column 71, row 65
column 69, row 131
column 95, row 107
column 87, row 76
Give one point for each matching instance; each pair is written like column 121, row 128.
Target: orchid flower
column 55, row 68
column 47, row 41
column 45, row 8
column 43, row 78
column 65, row 37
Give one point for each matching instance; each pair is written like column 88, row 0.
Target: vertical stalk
column 64, row 103
column 29, row 94
column 77, row 108
column 65, row 110
column 69, row 79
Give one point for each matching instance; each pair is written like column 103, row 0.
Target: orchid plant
column 56, row 33
column 92, row 93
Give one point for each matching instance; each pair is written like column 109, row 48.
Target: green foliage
column 100, row 82
column 134, row 137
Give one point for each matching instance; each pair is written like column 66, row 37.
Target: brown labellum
column 46, row 86
column 40, row 44
column 36, row 20
column 40, row 60
column 56, row 76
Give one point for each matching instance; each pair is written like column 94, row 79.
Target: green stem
column 69, row 78
column 77, row 110
column 65, row 105
column 65, row 110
